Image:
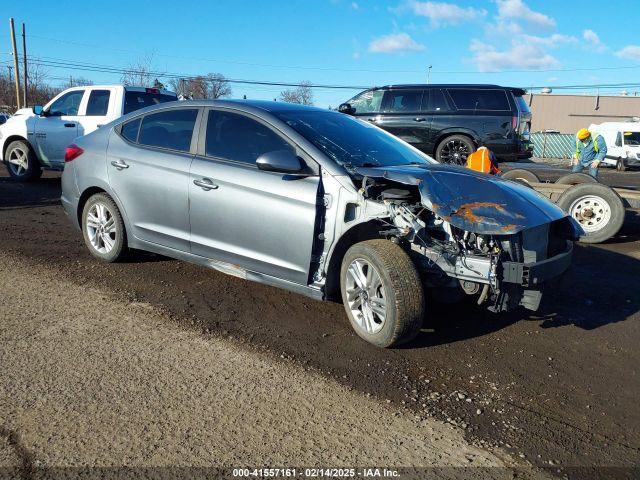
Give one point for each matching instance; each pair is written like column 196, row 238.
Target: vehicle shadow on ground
column 41, row 193
column 599, row 289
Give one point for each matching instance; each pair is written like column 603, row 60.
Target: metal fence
column 553, row 145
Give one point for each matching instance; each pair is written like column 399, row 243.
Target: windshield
column 367, row 102
column 352, row 143
column 632, row 138
column 136, row 100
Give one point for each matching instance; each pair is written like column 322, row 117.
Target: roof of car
column 440, row 85
column 267, row 105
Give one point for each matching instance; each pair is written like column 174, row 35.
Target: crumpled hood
column 473, row 201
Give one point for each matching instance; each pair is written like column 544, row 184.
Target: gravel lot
column 90, row 380
column 556, row 390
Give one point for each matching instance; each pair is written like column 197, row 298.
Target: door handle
column 206, row 184
column 69, row 125
column 419, row 119
column 372, row 120
column 119, row 164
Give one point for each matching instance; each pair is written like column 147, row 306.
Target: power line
column 52, row 62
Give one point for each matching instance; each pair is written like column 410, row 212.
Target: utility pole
column 429, row 74
column 10, row 68
column 25, row 95
column 15, row 61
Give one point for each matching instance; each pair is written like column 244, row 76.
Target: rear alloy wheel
column 382, row 293
column 455, row 150
column 103, row 228
column 22, row 164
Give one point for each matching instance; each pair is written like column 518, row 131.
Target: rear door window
column 434, row 100
column 134, row 100
column 98, row 104
column 170, row 129
column 479, row 99
column 236, row 137
column 402, row 101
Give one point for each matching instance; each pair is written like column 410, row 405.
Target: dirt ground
column 556, row 390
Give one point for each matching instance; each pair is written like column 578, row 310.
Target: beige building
column 569, row 113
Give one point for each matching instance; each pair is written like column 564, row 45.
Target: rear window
column 136, row 100
column 130, row 130
column 171, row 129
column 522, row 104
column 477, row 99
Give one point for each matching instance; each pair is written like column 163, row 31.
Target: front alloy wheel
column 365, row 296
column 22, row 163
column 382, row 293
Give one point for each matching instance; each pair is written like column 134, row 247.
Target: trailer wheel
column 521, row 175
column 597, row 208
column 576, row 179
column 620, row 166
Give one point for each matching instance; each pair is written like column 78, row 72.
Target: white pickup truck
column 36, row 141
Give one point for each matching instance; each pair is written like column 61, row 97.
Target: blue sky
column 514, row 42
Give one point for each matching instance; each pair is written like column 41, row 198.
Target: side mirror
column 346, row 108
column 37, row 109
column 282, row 161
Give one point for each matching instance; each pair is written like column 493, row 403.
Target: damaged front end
column 497, row 240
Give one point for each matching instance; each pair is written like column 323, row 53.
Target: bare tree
column 218, row 86
column 77, row 82
column 213, row 85
column 301, row 94
column 139, row 73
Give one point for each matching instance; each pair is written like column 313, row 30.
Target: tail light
column 72, row 152
column 514, row 122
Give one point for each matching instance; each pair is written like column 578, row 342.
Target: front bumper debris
column 536, row 273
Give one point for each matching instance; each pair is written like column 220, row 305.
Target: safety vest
column 594, row 139
column 480, row 161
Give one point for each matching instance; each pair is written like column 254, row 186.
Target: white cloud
column 518, row 10
column 355, row 6
column 593, row 41
column 441, row 13
column 395, row 43
column 549, row 41
column 632, row 52
column 528, row 56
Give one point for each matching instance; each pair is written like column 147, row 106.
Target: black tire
column 119, row 237
column 21, row 149
column 449, row 146
column 620, row 166
column 401, row 287
column 569, row 202
column 521, row 175
column 576, row 179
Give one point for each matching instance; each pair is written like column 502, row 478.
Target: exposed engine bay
column 499, row 251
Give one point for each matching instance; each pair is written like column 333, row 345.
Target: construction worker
column 590, row 151
column 483, row 160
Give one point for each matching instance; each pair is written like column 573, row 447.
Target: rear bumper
column 532, row 275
